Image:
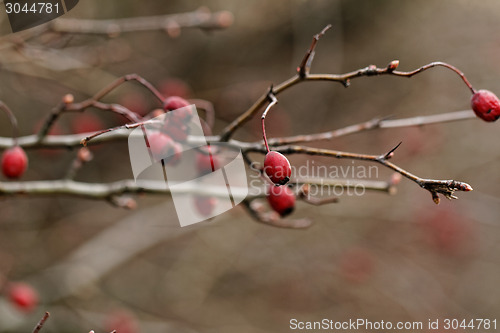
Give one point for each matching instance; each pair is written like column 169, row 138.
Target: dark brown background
column 377, row 257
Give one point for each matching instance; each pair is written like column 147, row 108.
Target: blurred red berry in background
column 121, row 321
column 23, row 296
column 174, row 87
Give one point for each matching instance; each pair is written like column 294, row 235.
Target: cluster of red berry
column 167, row 142
column 174, row 130
column 278, row 169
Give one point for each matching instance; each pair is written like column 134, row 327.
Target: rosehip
column 205, row 204
column 486, row 105
column 281, row 199
column 206, row 163
column 23, row 296
column 175, row 102
column 177, row 154
column 14, row 162
column 177, row 131
column 163, row 147
column 277, row 168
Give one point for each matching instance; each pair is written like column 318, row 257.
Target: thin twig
column 201, row 18
column 42, row 321
column 344, row 79
column 305, row 65
column 272, row 218
column 105, row 191
column 83, row 156
column 374, row 124
column 13, row 121
column 120, row 133
column 445, row 187
column 67, row 105
column 367, row 184
column 434, row 64
column 273, row 101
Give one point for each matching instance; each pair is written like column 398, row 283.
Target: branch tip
column 390, row 154
column 42, row 321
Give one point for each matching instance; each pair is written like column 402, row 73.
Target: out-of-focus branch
column 105, row 191
column 374, row 124
column 201, row 18
column 100, row 191
column 74, row 140
column 68, row 105
column 255, row 209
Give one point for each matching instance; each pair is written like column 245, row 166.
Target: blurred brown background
column 379, row 257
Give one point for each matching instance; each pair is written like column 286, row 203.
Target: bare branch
column 201, row 18
column 105, row 191
column 344, row 79
column 445, row 187
column 272, row 218
column 305, row 65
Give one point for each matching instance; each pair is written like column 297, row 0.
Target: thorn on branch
column 305, row 65
column 390, row 153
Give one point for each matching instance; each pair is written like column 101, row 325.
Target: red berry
column 277, row 168
column 177, row 154
column 204, row 204
column 14, row 162
column 177, row 131
column 174, row 103
column 23, row 296
column 486, row 105
column 281, row 199
column 163, row 147
column 206, row 163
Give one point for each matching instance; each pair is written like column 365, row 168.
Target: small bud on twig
column 392, row 65
column 435, row 198
column 68, row 99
